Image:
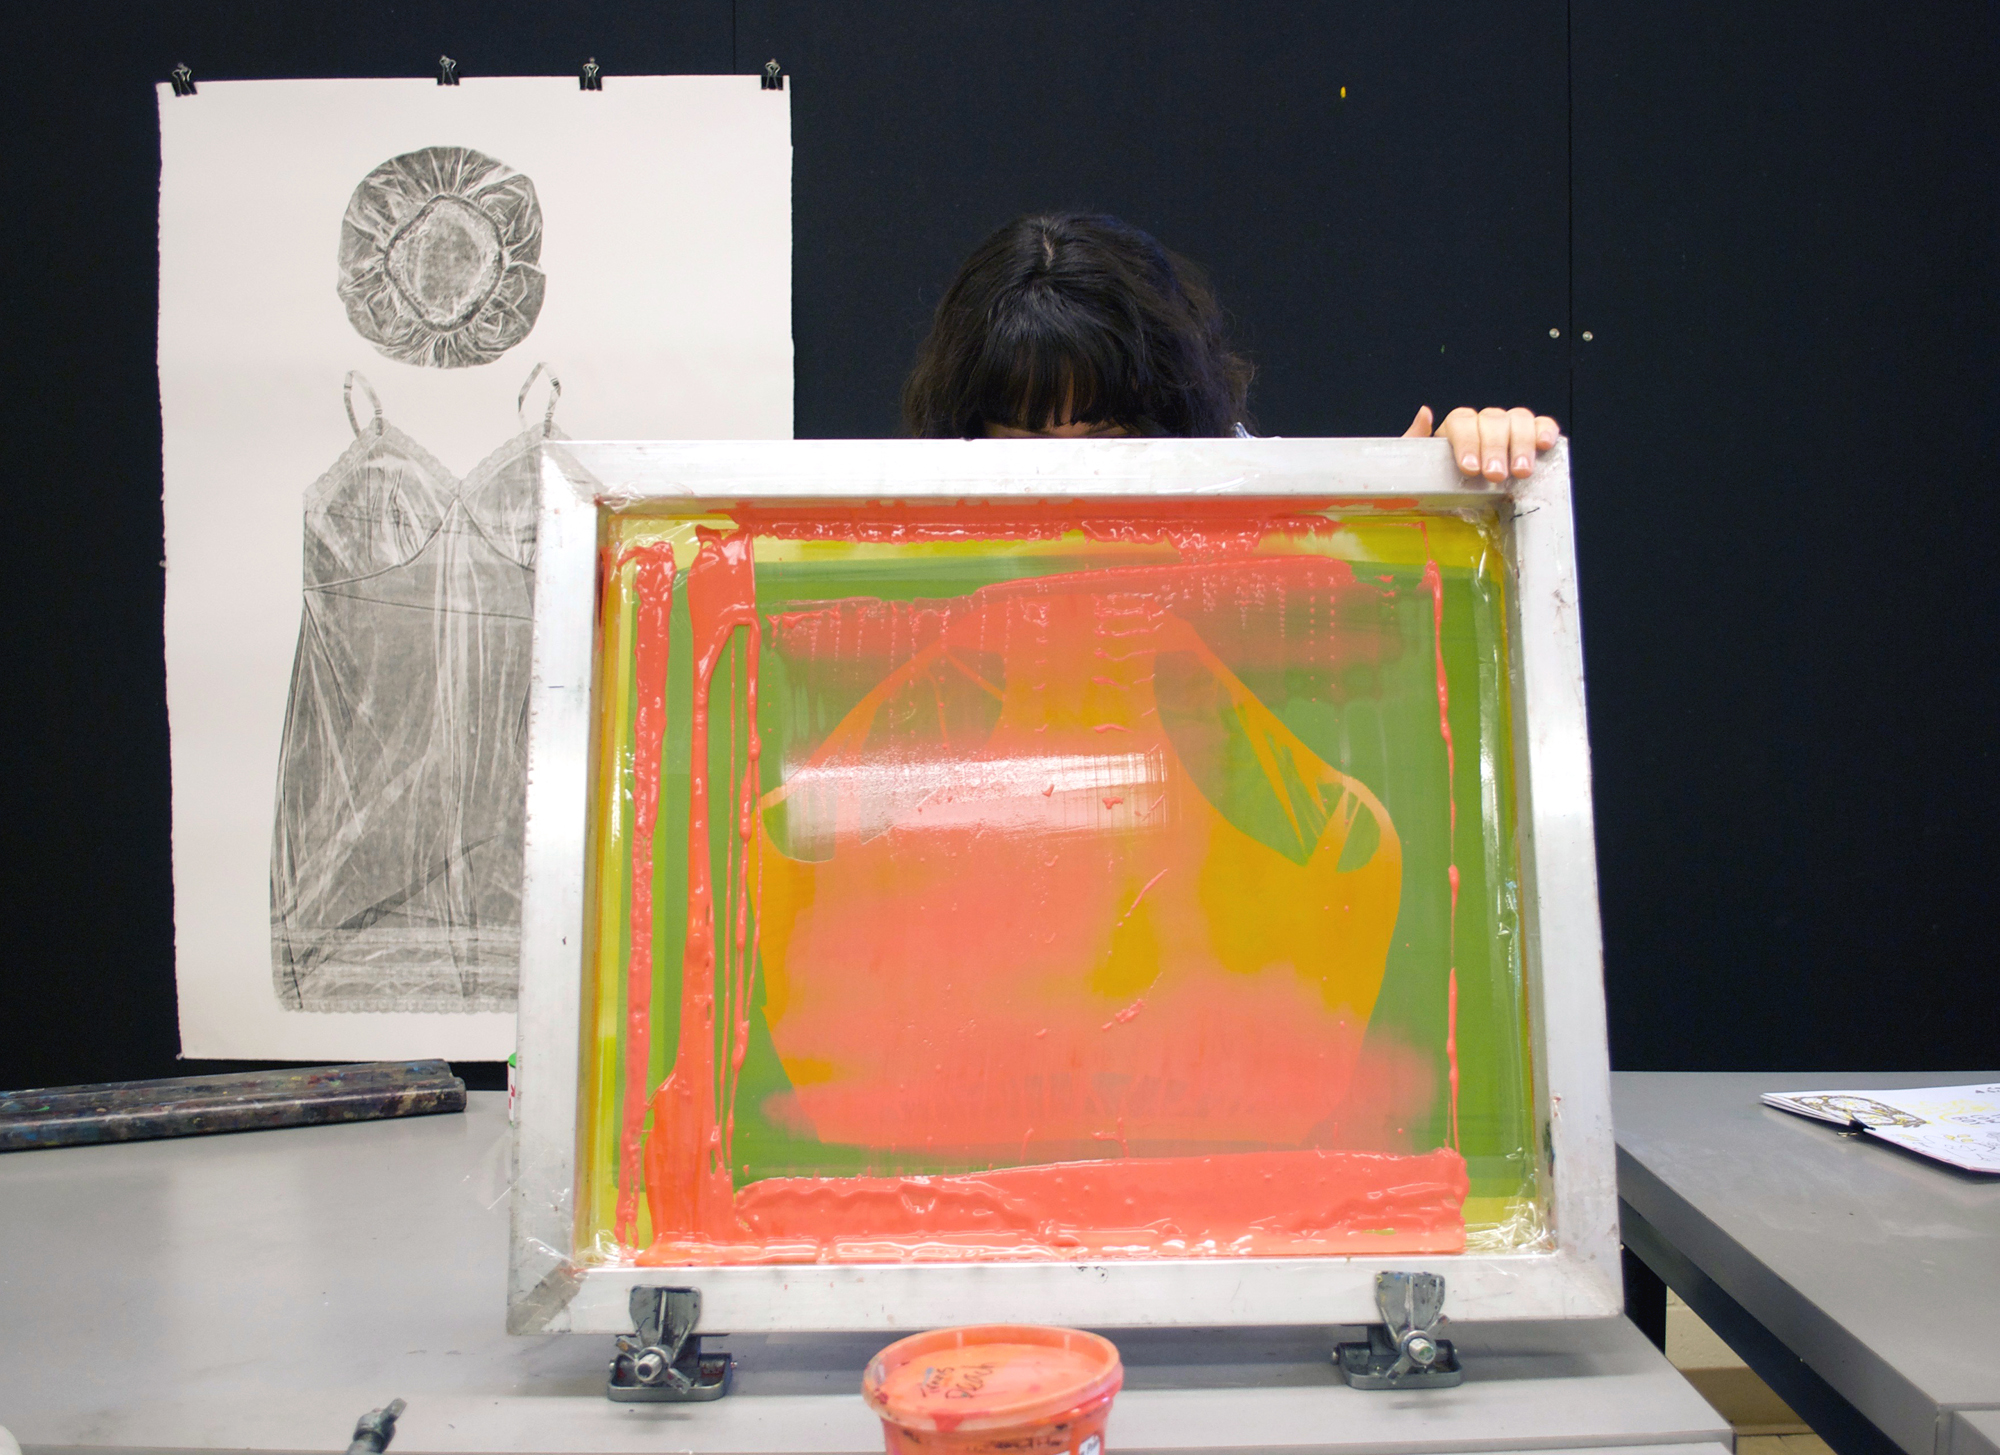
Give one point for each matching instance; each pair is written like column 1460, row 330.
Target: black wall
column 1779, row 224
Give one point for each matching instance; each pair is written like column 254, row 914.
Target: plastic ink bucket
column 994, row 1389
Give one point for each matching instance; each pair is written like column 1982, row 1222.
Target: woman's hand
column 1495, row 443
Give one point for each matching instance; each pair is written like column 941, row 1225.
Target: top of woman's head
column 1068, row 318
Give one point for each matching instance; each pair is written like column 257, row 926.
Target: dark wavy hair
column 1073, row 318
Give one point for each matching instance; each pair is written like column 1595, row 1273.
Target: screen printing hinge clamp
column 664, row 1361
column 1403, row 1351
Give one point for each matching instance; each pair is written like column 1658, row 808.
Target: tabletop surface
column 259, row 1291
column 1975, row 1432
column 1878, row 1267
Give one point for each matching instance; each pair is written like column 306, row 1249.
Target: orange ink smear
column 654, row 578
column 1125, row 1016
column 935, row 904
column 688, row 1186
column 1434, row 581
column 948, row 902
column 1192, row 527
column 1246, row 1203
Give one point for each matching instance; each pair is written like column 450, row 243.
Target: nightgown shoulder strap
column 355, row 376
column 555, row 393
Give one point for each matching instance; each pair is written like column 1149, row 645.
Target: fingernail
column 1469, row 464
column 1522, row 464
column 1496, row 467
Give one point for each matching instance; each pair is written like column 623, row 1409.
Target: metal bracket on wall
column 1403, row 1351
column 664, row 1361
column 774, row 79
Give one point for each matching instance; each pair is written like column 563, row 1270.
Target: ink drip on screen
column 977, row 882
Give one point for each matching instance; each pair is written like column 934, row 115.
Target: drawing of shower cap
column 438, row 255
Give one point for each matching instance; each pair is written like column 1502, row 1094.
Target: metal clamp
column 1403, row 1351
column 774, row 77
column 664, row 1361
column 447, row 71
column 374, row 1430
column 591, row 78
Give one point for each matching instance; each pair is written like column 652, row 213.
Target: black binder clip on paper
column 181, row 79
column 447, row 71
column 591, row 78
column 774, row 79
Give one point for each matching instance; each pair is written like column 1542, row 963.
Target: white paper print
column 1955, row 1124
column 369, row 291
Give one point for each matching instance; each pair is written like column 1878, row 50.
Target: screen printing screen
column 1006, row 881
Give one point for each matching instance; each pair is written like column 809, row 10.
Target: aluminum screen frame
column 1579, row 1277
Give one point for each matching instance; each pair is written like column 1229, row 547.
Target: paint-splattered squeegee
column 184, row 1106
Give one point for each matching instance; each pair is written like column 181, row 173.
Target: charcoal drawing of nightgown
column 396, row 845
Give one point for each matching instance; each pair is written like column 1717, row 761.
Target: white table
column 1974, row 1432
column 1861, row 1281
column 259, row 1291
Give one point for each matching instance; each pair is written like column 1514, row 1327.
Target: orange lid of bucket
column 990, row 1376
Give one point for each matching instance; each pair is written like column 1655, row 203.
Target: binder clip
column 774, row 79
column 447, row 71
column 591, row 78
column 182, row 80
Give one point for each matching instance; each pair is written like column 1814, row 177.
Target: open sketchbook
column 1955, row 1124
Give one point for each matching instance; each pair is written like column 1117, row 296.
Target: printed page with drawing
column 1955, row 1124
